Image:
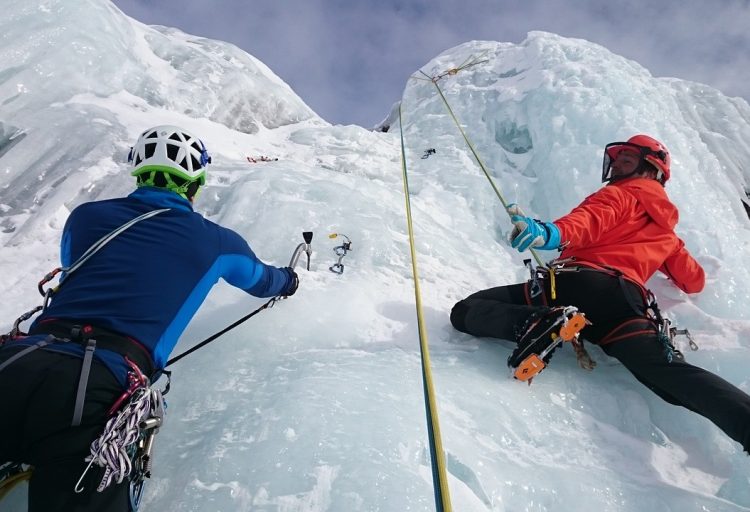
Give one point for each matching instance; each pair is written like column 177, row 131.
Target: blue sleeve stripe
column 227, row 266
column 65, row 258
column 171, row 335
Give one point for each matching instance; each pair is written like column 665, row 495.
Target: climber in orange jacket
column 611, row 244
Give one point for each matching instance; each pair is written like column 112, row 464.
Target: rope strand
column 439, row 475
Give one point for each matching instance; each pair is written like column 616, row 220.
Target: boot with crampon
column 540, row 335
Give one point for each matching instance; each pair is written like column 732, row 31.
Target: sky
column 349, row 59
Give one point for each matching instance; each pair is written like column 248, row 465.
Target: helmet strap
column 187, row 190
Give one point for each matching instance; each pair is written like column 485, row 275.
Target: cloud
column 349, row 60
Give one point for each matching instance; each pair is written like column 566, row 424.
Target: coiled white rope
column 110, row 450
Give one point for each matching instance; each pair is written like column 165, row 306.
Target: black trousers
column 610, row 302
column 37, row 396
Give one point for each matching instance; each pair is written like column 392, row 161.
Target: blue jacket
column 149, row 281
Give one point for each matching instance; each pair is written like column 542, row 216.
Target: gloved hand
column 293, row 282
column 528, row 232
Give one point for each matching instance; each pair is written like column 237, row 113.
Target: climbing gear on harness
column 667, row 335
column 16, row 329
column 124, row 449
column 674, row 331
column 540, row 335
column 302, row 247
column 340, row 251
column 536, row 287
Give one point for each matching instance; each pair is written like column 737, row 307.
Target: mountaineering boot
column 540, row 336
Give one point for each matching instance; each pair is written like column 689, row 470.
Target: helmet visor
column 624, row 159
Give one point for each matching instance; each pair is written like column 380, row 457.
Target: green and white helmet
column 170, row 157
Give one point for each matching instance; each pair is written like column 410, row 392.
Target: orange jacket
column 629, row 225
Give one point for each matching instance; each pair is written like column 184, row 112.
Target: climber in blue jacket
column 134, row 296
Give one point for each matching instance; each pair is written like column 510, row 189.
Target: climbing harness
column 340, row 251
column 437, row 456
column 649, row 317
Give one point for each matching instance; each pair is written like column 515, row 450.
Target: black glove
column 293, row 282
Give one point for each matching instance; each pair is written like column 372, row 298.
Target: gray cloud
column 349, row 60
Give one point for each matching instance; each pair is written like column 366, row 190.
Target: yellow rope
column 442, row 494
column 11, row 482
column 477, row 158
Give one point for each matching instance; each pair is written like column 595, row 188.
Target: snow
column 317, row 404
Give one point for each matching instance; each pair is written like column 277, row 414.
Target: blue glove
column 528, row 232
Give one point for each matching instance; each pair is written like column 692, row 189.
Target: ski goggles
column 613, row 150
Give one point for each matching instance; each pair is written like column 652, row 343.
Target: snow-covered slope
column 316, row 404
column 67, row 64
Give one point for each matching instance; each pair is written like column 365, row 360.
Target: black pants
column 37, row 396
column 610, row 302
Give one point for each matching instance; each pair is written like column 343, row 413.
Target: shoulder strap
column 106, row 239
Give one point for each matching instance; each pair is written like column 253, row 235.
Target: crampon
column 540, row 336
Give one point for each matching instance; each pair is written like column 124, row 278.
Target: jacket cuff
column 553, row 236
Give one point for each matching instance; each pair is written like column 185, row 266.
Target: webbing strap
column 631, row 302
column 27, row 350
column 83, row 382
column 108, row 238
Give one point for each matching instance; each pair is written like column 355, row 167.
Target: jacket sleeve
column 595, row 216
column 684, row 271
column 241, row 268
